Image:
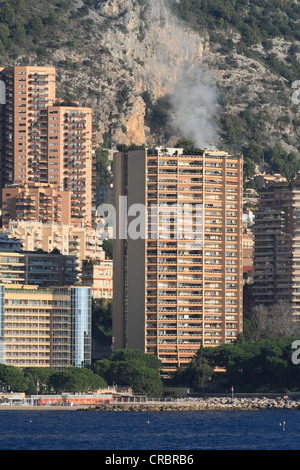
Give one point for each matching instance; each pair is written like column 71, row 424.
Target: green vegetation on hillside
column 256, row 21
column 27, row 26
column 257, row 110
column 103, row 175
column 157, row 112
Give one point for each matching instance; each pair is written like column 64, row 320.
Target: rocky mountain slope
column 134, row 48
column 153, row 74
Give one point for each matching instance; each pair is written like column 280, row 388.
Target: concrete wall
column 118, row 320
column 136, row 255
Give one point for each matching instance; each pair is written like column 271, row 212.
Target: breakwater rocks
column 212, row 403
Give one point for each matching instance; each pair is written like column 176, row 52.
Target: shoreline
column 183, row 404
column 38, row 408
column 208, row 403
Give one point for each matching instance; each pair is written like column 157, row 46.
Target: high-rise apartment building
column 175, row 289
column 70, row 164
column 45, row 327
column 277, row 246
column 36, row 201
column 23, row 123
column 12, row 267
column 44, row 141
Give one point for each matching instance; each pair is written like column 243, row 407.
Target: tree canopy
column 133, row 368
column 270, row 322
column 248, row 366
column 103, row 175
column 45, row 380
column 13, row 379
column 77, row 379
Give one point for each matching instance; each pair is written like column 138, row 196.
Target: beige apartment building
column 42, row 328
column 70, row 164
column 29, row 314
column 174, row 293
column 98, row 274
column 36, row 201
column 44, row 141
column 81, row 242
column 12, row 267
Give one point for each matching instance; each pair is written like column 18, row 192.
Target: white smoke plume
column 195, row 104
column 193, row 95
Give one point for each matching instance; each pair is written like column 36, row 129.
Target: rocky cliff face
column 153, row 43
column 118, row 49
column 133, row 46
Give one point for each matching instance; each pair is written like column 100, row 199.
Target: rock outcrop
column 134, row 46
column 211, row 403
column 122, row 48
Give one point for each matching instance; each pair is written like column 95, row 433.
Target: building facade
column 98, row 274
column 41, row 269
column 277, row 246
column 81, row 242
column 10, row 243
column 43, row 141
column 105, row 194
column 36, row 201
column 81, row 320
column 12, row 267
column 23, row 123
column 45, row 327
column 70, row 150
column 175, row 291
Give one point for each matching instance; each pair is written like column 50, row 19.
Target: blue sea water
column 182, row 430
